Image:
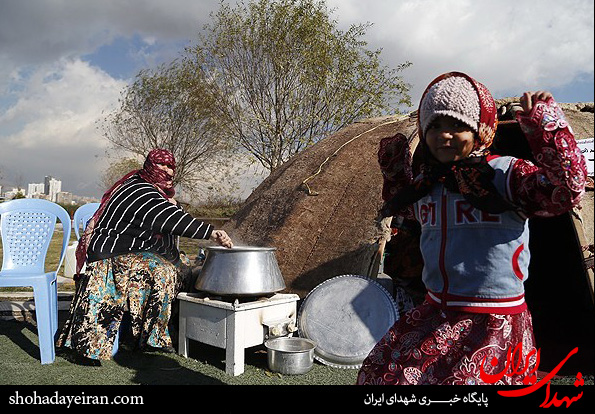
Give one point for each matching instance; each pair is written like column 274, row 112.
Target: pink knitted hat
column 460, row 96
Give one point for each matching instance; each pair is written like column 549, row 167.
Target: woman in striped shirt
column 132, row 261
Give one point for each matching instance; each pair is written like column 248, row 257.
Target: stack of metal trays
column 346, row 316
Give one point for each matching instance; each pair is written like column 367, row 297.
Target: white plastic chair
column 28, row 226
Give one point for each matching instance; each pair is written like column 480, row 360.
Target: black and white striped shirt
column 139, row 218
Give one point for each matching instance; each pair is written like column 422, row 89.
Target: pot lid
column 346, row 316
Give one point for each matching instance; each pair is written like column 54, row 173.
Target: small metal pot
column 240, row 271
column 291, row 356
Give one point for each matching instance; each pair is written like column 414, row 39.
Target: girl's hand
column 220, row 237
column 529, row 98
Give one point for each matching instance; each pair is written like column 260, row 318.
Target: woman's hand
column 529, row 98
column 220, row 237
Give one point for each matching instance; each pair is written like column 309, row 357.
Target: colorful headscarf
column 150, row 173
column 454, row 94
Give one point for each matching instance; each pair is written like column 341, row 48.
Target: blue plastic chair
column 81, row 216
column 27, row 228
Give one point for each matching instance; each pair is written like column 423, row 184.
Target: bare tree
column 283, row 76
column 117, row 170
column 160, row 110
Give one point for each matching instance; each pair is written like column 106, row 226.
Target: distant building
column 64, row 197
column 52, row 187
column 76, row 199
column 12, row 193
column 35, row 190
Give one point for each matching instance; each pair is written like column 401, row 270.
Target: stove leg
column 234, row 348
column 182, row 340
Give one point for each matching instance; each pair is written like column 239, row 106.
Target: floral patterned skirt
column 427, row 346
column 143, row 284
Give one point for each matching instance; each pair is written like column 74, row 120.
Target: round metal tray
column 346, row 316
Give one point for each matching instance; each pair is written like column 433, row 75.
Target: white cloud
column 59, row 104
column 36, row 31
column 509, row 45
column 51, row 127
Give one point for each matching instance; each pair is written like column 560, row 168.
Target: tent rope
column 305, row 182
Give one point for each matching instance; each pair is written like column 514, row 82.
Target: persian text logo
column 515, row 366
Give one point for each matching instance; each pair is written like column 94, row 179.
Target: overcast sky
column 63, row 63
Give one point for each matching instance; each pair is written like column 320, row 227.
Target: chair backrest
column 28, row 226
column 81, row 216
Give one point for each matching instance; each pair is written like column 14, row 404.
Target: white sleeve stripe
column 186, row 228
column 199, row 227
column 160, row 213
column 176, row 225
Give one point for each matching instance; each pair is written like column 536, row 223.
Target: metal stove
column 234, row 324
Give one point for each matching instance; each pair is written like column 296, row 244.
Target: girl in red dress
column 472, row 209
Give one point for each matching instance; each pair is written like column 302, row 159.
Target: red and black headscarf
column 151, row 173
column 156, row 176
column 454, row 94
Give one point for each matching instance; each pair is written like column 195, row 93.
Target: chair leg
column 46, row 315
column 116, row 343
column 54, row 307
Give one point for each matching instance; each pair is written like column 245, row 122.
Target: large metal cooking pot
column 240, row 271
